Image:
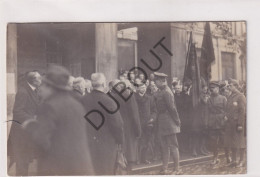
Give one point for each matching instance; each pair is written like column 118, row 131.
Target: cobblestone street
column 204, row 168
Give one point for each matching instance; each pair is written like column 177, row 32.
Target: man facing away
column 105, row 140
column 168, row 123
column 20, row 147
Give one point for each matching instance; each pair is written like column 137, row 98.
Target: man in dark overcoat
column 59, row 129
column 130, row 115
column 216, row 119
column 168, row 123
column 20, row 147
column 147, row 112
column 107, row 137
column 235, row 127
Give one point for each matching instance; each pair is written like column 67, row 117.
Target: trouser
column 169, row 144
column 145, row 144
column 216, row 141
column 184, row 140
column 241, row 152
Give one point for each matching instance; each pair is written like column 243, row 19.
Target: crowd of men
column 144, row 120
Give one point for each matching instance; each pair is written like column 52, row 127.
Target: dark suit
column 20, row 147
column 103, row 142
column 236, row 114
column 147, row 111
column 61, row 135
column 132, row 126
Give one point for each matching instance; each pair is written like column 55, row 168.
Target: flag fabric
column 192, row 72
column 207, row 54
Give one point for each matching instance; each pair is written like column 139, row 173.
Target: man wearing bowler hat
column 216, row 120
column 59, row 129
column 168, row 122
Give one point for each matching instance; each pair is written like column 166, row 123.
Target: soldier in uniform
column 216, row 107
column 168, row 123
column 235, row 127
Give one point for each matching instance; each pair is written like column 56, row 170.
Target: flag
column 207, row 54
column 192, row 72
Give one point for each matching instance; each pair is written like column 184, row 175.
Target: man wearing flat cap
column 235, row 128
column 216, row 120
column 168, row 123
column 59, row 129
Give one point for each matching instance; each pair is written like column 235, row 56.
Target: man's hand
column 225, row 118
column 178, row 123
column 239, row 128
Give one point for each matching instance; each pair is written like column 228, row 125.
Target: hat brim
column 65, row 88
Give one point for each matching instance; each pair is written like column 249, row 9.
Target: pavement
column 189, row 165
column 204, row 168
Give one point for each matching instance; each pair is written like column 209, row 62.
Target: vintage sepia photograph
column 132, row 98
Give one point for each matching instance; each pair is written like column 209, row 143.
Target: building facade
column 84, row 48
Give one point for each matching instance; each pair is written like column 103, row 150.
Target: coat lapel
column 32, row 94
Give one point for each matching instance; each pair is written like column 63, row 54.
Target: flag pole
column 187, row 56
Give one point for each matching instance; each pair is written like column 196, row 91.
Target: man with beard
column 168, row 123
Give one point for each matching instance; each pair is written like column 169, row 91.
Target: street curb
column 146, row 168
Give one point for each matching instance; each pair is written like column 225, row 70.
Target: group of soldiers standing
column 219, row 121
column 58, row 116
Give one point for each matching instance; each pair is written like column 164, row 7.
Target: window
column 228, row 65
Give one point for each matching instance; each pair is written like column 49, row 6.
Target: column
column 11, row 69
column 106, row 50
column 179, row 41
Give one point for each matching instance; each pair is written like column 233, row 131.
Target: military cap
column 222, row 84
column 158, row 75
column 233, row 81
column 214, row 84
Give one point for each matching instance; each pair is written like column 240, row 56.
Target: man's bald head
column 98, row 80
column 34, row 78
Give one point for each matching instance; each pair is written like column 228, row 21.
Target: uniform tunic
column 168, row 117
column 216, row 108
column 168, row 123
column 236, row 114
